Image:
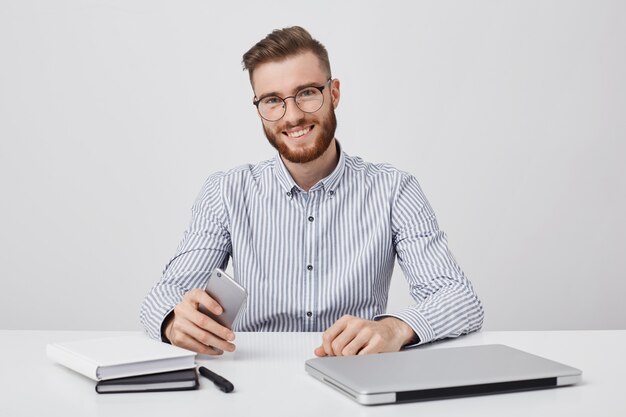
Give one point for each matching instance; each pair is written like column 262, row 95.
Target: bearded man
column 313, row 233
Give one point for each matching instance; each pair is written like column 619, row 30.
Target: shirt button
column 309, row 267
column 309, row 314
column 311, row 218
column 288, row 193
column 331, row 193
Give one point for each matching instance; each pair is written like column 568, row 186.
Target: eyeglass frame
column 321, row 88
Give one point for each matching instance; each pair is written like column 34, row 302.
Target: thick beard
column 322, row 142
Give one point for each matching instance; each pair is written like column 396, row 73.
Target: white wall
column 510, row 113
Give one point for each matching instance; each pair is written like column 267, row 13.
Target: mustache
column 290, row 125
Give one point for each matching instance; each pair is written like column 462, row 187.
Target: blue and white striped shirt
column 306, row 259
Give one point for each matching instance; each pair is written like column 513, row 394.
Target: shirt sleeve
column 206, row 245
column 446, row 304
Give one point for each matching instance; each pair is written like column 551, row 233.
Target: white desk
column 268, row 373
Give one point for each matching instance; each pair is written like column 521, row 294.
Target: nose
column 292, row 111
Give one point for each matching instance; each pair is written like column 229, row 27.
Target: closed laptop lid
column 422, row 374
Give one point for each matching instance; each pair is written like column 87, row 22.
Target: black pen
column 221, row 382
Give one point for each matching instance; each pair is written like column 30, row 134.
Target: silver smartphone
column 228, row 293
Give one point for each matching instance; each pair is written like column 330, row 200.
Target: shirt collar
column 328, row 183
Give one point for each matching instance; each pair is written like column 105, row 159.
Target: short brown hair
column 282, row 44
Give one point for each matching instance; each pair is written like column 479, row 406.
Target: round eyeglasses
column 308, row 99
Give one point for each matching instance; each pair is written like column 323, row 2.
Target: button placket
column 311, row 249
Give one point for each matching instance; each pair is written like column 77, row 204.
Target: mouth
column 299, row 132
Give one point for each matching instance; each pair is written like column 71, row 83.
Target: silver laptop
column 419, row 374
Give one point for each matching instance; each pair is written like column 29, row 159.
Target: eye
column 271, row 101
column 308, row 92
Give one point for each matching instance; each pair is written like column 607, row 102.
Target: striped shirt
column 308, row 258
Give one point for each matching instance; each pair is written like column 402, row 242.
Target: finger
column 187, row 342
column 204, row 337
column 331, row 333
column 374, row 345
column 207, row 323
column 198, row 296
column 367, row 350
column 179, row 337
column 319, row 351
column 348, row 334
column 351, row 326
column 360, row 340
column 187, row 311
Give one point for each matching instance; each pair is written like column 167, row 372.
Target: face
column 299, row 137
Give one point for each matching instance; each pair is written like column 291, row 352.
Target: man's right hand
column 188, row 328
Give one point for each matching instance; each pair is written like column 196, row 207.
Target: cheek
column 270, row 127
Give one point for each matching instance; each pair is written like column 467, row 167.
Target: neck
column 308, row 174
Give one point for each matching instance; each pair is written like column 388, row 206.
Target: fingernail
column 218, row 310
column 230, row 337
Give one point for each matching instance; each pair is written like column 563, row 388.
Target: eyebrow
column 295, row 90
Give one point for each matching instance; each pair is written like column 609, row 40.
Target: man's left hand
column 355, row 336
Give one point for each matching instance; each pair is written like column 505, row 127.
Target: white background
column 510, row 113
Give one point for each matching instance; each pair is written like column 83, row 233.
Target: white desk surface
column 268, row 373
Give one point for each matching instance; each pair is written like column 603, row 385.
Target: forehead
column 284, row 76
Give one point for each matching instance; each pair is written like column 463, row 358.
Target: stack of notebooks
column 133, row 363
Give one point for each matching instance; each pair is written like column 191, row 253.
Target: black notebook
column 187, row 379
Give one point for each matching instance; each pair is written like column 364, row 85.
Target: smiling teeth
column 298, row 133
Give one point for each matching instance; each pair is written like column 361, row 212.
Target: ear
column 335, row 92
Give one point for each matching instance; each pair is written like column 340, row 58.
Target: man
column 313, row 233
